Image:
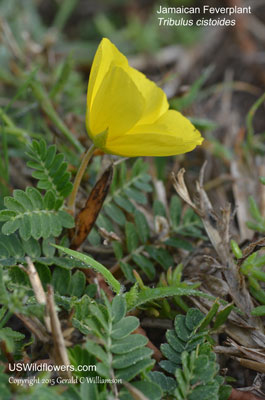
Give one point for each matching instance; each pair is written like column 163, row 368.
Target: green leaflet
column 198, row 379
column 190, row 359
column 50, row 169
column 34, row 215
column 126, row 188
column 122, row 353
column 95, row 265
column 147, row 294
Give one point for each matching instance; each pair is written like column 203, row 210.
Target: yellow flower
column 128, row 115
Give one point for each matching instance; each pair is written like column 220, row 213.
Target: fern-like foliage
column 121, row 214
column 122, row 355
column 13, row 250
column 183, row 337
column 34, row 215
column 10, row 337
column 4, row 386
column 50, row 169
column 137, row 250
column 31, row 213
column 189, row 357
column 67, row 285
column 126, row 190
column 198, row 378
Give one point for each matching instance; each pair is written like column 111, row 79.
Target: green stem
column 5, row 319
column 250, row 116
column 79, row 176
column 5, row 118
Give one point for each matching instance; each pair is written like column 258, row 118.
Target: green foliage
column 4, row 386
column 51, row 169
column 189, row 357
column 63, row 75
column 235, row 249
column 44, row 101
column 16, row 296
column 259, row 221
column 198, row 378
column 173, row 277
column 253, row 268
column 184, row 337
column 125, row 190
column 10, row 337
column 254, row 141
column 121, row 354
column 137, row 249
column 188, row 224
column 137, row 252
column 35, row 215
column 95, row 265
column 258, row 311
column 13, row 250
column 43, row 95
column 194, row 91
column 137, row 298
column 16, row 292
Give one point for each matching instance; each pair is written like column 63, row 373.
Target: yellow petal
column 156, row 102
column 117, row 105
column 171, row 134
column 106, row 54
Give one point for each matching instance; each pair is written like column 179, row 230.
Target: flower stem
column 78, row 178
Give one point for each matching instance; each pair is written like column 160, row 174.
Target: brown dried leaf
column 181, row 189
column 86, row 218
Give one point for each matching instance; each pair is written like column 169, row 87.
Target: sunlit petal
column 156, row 102
column 113, row 110
column 106, row 54
column 171, row 134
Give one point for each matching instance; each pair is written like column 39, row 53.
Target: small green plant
column 198, row 377
column 189, row 357
column 258, row 223
column 122, row 356
column 252, row 267
column 30, row 212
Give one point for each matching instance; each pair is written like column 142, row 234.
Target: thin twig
column 60, row 352
column 35, row 326
column 37, row 288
